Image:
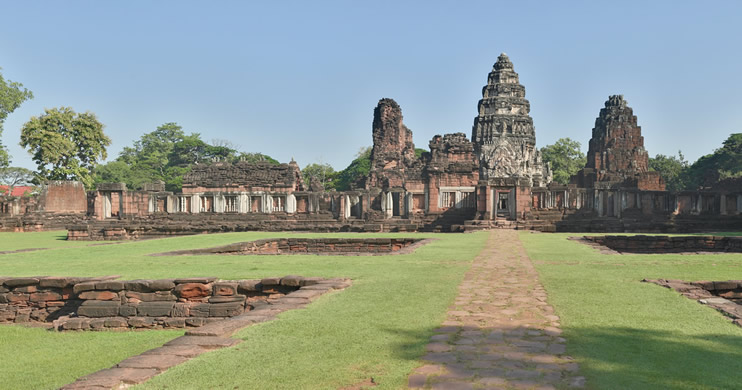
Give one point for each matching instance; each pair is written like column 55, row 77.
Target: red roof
column 17, row 191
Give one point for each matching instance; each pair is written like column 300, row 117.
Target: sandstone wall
column 97, row 303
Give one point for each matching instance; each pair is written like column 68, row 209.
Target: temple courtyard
column 492, row 309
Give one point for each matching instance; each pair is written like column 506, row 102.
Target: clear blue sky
column 301, row 79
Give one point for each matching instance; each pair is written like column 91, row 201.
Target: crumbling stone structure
column 496, row 179
column 616, row 156
column 71, row 303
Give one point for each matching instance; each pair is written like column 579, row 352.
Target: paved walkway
column 500, row 333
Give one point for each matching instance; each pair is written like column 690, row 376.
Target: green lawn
column 632, row 335
column 376, row 328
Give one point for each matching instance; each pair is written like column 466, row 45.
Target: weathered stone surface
column 188, row 351
column 162, row 285
column 116, row 322
column 80, row 287
column 99, row 295
column 227, row 299
column 226, row 309
column 249, row 286
column 57, row 281
column 141, row 322
column 291, row 280
column 208, row 342
column 157, row 296
column 200, row 310
column 110, row 285
column 128, row 310
column 270, row 281
column 45, row 296
column 99, row 308
column 225, row 288
column 503, row 132
column 138, row 285
column 195, row 280
column 616, row 154
column 113, row 377
column 155, row 309
column 192, row 290
column 18, row 282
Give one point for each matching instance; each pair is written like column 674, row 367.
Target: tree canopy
column 15, row 176
column 65, row 145
column 322, row 172
column 724, row 163
column 12, row 95
column 565, row 157
column 672, row 169
column 166, row 154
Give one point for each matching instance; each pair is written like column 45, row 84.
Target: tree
column 565, row 157
column 322, row 172
column 724, row 163
column 672, row 169
column 12, row 95
column 65, row 145
column 15, row 176
column 355, row 171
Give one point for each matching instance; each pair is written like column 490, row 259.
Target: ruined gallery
column 494, row 179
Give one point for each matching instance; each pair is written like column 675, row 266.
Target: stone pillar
column 389, row 212
column 723, row 204
column 346, row 206
column 739, row 204
column 172, row 200
column 195, row 204
column 600, row 203
column 107, row 205
column 290, row 203
column 267, row 204
column 243, row 203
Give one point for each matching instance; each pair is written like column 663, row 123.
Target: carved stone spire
column 616, row 154
column 393, row 151
column 503, row 131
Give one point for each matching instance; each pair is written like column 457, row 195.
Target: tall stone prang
column 393, row 153
column 503, row 131
column 616, row 154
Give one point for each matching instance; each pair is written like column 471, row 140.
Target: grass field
column 376, row 328
column 632, row 335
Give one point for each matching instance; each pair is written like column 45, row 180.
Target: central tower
column 503, row 132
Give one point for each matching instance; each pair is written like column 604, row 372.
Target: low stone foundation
column 723, row 296
column 665, row 244
column 313, row 246
column 69, row 303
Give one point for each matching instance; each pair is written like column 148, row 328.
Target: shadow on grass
column 643, row 358
column 610, row 358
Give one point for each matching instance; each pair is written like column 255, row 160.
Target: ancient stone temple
column 503, row 131
column 616, row 156
column 393, row 153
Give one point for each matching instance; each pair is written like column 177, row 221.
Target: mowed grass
column 632, row 335
column 376, row 329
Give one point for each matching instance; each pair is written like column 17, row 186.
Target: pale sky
column 300, row 79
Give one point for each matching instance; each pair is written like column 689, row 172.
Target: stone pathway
column 500, row 333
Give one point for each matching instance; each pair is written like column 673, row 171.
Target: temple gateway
column 496, row 179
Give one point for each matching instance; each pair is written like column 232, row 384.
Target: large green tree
column 12, row 95
column 65, row 145
column 565, row 157
column 672, row 169
column 355, row 171
column 324, row 173
column 724, row 163
column 166, row 154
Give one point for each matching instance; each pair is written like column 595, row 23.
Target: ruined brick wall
column 243, row 176
column 63, row 197
column 393, row 160
column 665, row 244
column 97, row 303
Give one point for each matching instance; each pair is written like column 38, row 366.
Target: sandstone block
column 174, row 322
column 151, row 297
column 26, row 289
column 199, row 310
column 141, row 322
column 128, row 310
column 194, row 321
column 115, row 322
column 45, row 296
column 226, row 309
column 180, row 310
column 291, row 280
column 15, row 298
column 155, row 309
column 140, row 285
column 19, row 282
column 57, row 281
column 99, row 308
column 226, row 299
column 249, row 286
column 225, row 288
column 99, row 295
column 270, row 281
column 85, row 286
column 162, row 285
column 194, row 280
column 192, row 290
column 110, row 285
